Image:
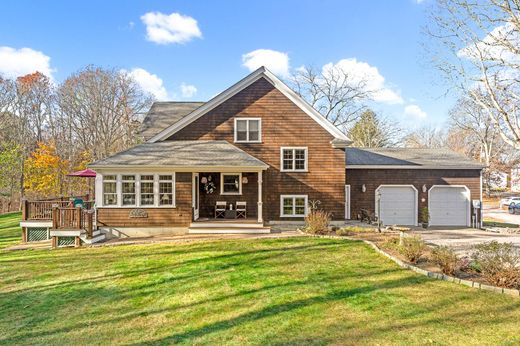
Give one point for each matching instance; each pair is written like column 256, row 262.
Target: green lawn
column 10, row 233
column 278, row 292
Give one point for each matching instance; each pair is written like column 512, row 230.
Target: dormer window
column 248, row 130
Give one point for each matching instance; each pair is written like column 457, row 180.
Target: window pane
column 166, row 193
column 165, row 177
column 287, row 206
column 288, row 154
column 253, row 125
column 128, row 177
column 147, row 177
column 299, row 165
column 128, row 187
column 254, row 135
column 109, row 177
column 128, row 199
column 109, row 193
column 241, row 130
column 299, row 154
column 147, row 197
column 299, row 208
column 231, row 183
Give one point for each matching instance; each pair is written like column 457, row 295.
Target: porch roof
column 196, row 154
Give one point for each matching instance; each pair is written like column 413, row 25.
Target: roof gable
column 262, row 72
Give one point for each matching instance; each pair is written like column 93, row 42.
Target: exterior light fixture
column 424, row 188
column 203, row 180
column 244, row 180
column 363, row 188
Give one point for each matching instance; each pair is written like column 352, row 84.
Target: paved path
column 462, row 240
column 502, row 215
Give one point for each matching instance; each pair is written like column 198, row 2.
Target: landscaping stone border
column 433, row 275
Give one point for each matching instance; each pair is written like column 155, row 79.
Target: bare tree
column 102, row 106
column 373, row 131
column 337, row 95
column 479, row 53
column 426, row 137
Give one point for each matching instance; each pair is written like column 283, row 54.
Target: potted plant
column 425, row 217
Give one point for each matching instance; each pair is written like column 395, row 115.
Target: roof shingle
column 164, row 114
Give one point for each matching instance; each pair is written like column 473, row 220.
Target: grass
column 10, row 232
column 491, row 222
column 271, row 291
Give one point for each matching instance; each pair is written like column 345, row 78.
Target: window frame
column 113, row 181
column 159, row 181
column 140, row 192
column 134, row 181
column 305, row 169
column 293, row 197
column 248, row 120
column 222, row 174
column 137, row 181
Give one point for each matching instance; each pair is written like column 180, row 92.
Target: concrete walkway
column 462, row 240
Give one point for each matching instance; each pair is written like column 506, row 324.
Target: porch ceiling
column 199, row 155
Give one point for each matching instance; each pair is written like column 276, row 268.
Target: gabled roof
column 182, row 154
column 262, row 72
column 164, row 114
column 408, row 158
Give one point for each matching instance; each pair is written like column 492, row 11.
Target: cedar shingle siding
column 372, row 178
column 283, row 124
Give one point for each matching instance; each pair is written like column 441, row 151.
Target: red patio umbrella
column 86, row 173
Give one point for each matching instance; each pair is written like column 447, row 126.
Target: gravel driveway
column 462, row 240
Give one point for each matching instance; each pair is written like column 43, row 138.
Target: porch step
column 96, row 238
column 229, row 230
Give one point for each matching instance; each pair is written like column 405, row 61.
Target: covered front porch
column 227, row 202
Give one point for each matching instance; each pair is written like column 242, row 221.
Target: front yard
column 278, row 291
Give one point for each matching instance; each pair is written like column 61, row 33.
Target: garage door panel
column 448, row 206
column 398, row 205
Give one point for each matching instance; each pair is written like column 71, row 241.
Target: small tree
column 372, row 131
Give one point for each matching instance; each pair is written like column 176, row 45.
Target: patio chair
column 220, row 209
column 241, row 210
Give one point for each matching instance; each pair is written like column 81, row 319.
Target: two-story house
column 259, row 148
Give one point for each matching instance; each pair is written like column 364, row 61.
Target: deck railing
column 42, row 210
column 69, row 218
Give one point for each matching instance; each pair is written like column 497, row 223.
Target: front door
column 195, row 195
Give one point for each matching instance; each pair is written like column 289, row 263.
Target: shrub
column 445, row 258
column 425, row 215
column 499, row 263
column 317, row 222
column 348, row 230
column 412, row 248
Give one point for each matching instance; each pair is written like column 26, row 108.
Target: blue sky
column 206, row 52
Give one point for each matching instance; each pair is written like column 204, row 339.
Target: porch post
column 260, row 218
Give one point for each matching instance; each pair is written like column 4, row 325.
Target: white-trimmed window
column 166, row 189
column 248, row 130
column 147, row 196
column 293, row 159
column 110, row 189
column 128, row 189
column 293, row 205
column 230, row 183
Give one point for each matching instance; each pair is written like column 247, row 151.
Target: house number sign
column 138, row 213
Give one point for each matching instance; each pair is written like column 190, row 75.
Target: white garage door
column 449, row 206
column 398, row 205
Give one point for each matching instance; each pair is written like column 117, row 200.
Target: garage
column 449, row 205
column 397, row 204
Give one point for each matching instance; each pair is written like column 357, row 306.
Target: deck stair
column 230, row 227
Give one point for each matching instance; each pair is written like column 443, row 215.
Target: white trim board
column 261, row 72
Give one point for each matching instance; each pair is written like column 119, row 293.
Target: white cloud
column 187, row 90
column 149, row 82
column 19, row 62
column 360, row 72
column 174, row 28
column 415, row 112
column 275, row 61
